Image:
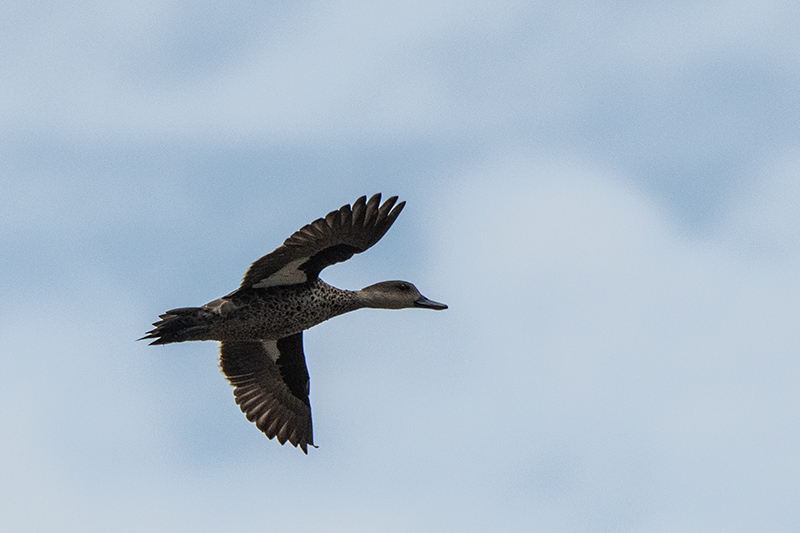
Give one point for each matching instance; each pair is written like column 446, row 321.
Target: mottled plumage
column 260, row 325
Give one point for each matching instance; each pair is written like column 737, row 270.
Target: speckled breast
column 278, row 312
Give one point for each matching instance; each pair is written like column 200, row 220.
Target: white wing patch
column 271, row 347
column 288, row 275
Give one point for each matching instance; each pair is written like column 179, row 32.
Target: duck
column 260, row 325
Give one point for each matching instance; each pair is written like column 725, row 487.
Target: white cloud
column 646, row 364
column 764, row 219
column 656, row 35
column 354, row 70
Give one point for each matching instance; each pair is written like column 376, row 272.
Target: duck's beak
column 428, row 304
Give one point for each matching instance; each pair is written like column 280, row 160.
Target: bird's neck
column 337, row 300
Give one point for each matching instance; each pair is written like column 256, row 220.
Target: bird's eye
column 404, row 287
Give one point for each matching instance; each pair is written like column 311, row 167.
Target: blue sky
column 604, row 193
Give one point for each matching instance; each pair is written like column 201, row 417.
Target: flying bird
column 260, row 325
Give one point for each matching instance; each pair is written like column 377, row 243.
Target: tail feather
column 178, row 325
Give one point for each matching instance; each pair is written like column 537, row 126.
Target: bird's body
column 270, row 313
column 259, row 325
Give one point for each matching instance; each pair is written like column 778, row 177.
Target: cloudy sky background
column 606, row 195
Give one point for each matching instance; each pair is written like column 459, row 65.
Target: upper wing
column 271, row 386
column 329, row 240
